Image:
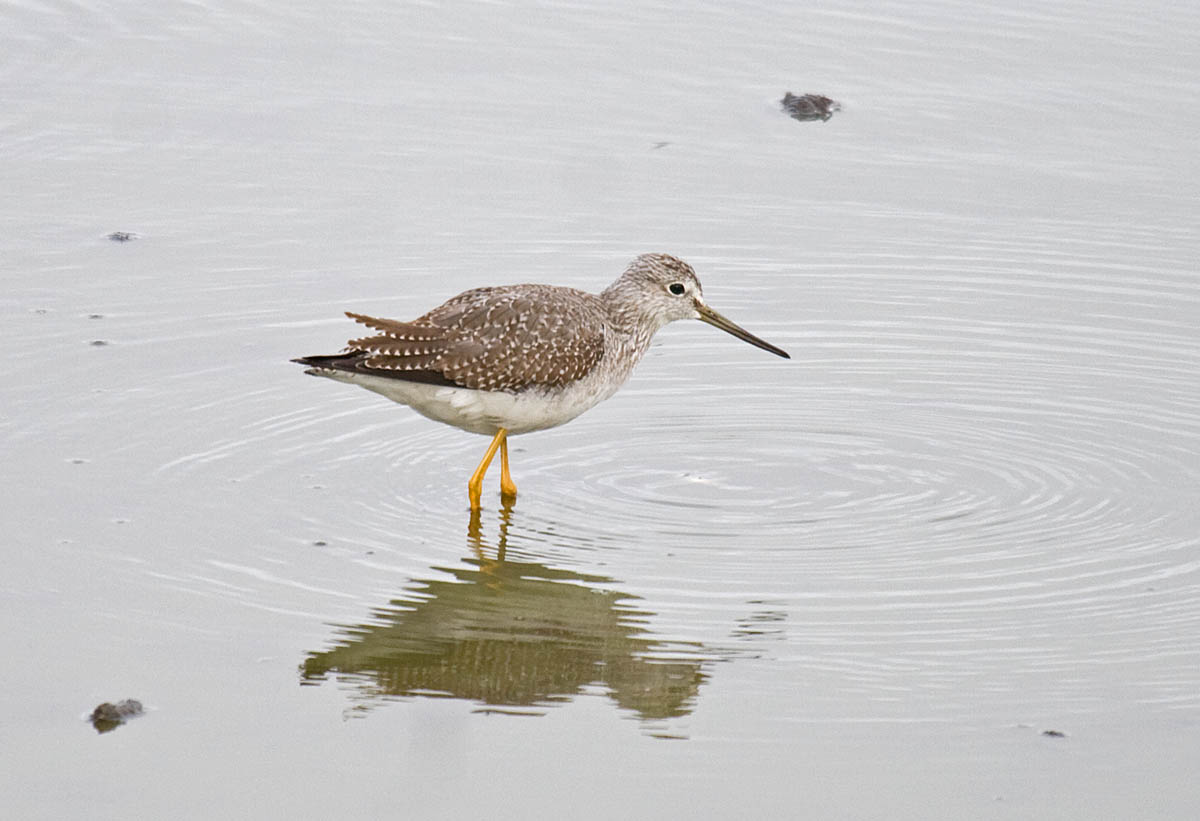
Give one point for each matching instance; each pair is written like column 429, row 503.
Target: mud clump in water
column 805, row 107
column 109, row 716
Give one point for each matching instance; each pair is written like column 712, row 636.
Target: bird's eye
column 676, row 288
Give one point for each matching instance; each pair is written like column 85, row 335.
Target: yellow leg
column 508, row 488
column 475, row 485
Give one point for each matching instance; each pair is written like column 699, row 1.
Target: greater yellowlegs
column 519, row 358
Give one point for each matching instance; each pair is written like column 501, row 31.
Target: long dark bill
column 713, row 318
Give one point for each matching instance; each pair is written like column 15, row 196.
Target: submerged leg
column 475, row 485
column 508, row 488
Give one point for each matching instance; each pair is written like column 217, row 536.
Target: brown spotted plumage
column 493, row 339
column 518, row 358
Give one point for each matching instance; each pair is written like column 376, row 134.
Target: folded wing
column 494, row 339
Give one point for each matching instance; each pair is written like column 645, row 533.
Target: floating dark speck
column 108, row 716
column 98, row 343
column 122, row 236
column 1054, row 733
column 805, row 107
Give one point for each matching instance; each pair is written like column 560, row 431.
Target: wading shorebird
column 518, row 358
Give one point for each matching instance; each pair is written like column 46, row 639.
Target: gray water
column 864, row 583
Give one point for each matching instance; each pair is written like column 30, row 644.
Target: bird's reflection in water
column 514, row 636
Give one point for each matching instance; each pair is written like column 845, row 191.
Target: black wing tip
column 352, row 362
column 320, row 365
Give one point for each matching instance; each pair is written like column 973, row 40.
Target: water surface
column 861, row 583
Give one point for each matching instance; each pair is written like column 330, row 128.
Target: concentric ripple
column 965, row 511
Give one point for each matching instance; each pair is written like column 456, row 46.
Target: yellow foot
column 508, row 488
column 475, row 485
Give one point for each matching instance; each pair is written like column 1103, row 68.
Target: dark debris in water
column 122, row 236
column 1054, row 733
column 109, row 716
column 806, row 107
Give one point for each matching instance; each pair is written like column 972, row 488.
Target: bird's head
column 665, row 288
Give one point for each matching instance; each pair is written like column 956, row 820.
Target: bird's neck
column 632, row 333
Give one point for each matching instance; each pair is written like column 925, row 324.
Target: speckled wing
column 496, row 339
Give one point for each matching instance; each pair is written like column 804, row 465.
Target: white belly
column 487, row 411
